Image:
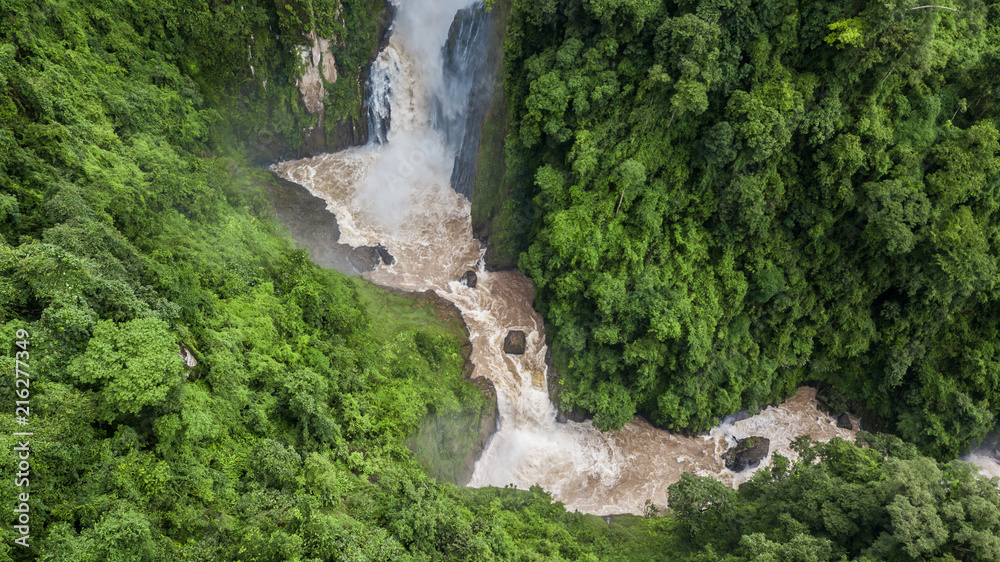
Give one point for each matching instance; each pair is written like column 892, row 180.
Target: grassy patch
column 453, row 433
column 395, row 312
column 640, row 539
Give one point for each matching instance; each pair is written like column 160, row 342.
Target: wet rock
column 989, row 445
column 515, row 342
column 467, row 69
column 364, row 258
column 552, row 378
column 469, row 279
column 312, row 225
column 844, row 421
column 189, row 361
column 574, row 415
column 384, row 25
column 383, row 253
column 747, row 453
column 737, row 417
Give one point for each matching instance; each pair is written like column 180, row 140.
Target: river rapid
column 397, row 193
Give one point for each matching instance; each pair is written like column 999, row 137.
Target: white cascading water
column 989, row 466
column 986, row 454
column 379, row 100
column 398, row 194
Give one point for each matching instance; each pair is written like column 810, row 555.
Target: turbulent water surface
column 396, row 192
column 986, row 454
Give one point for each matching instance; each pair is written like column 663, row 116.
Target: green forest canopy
column 131, row 220
column 727, row 198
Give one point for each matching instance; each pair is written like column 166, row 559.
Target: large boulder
column 515, row 342
column 844, row 421
column 747, row 453
column 469, row 279
column 312, row 225
column 364, row 258
column 383, row 253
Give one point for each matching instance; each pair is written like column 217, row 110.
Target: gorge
column 658, row 214
column 397, row 191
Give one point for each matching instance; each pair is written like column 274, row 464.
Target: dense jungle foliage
column 726, row 198
column 132, row 222
column 841, row 501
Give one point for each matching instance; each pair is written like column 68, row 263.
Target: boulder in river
column 747, row 453
column 469, row 279
column 515, row 342
column 364, row 258
column 383, row 253
column 844, row 421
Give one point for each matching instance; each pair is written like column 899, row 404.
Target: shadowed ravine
column 398, row 194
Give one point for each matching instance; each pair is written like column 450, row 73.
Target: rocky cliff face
column 318, row 72
column 319, row 64
column 466, row 69
column 483, row 173
column 312, row 225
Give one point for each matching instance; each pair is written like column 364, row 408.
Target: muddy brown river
column 398, row 194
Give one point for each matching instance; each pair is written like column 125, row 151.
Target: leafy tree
column 731, row 198
column 841, row 501
column 132, row 365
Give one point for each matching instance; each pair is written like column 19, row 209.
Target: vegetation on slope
column 841, row 501
column 730, row 197
column 131, row 223
column 497, row 217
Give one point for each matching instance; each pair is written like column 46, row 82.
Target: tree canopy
column 731, row 197
column 132, row 223
column 874, row 500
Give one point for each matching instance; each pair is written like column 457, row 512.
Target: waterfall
column 379, row 92
column 459, row 106
column 398, row 192
column 986, row 454
column 464, row 55
column 469, row 42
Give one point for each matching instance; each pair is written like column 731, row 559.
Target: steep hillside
column 731, row 197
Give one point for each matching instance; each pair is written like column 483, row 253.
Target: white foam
column 398, row 194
